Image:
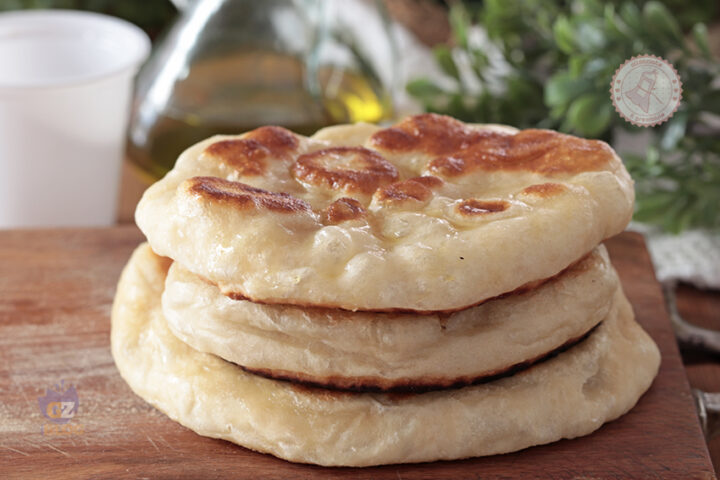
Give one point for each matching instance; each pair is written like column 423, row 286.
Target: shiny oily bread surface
column 428, row 215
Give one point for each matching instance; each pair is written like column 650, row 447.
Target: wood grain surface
column 56, row 289
column 702, row 307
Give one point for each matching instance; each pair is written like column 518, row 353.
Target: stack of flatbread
column 433, row 290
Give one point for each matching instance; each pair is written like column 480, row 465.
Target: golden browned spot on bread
column 541, row 151
column 365, row 384
column 276, row 139
column 428, row 133
column 342, row 210
column 549, row 152
column 248, row 155
column 418, row 189
column 354, row 169
column 428, row 181
column 462, row 163
column 473, row 206
column 545, row 189
column 242, row 196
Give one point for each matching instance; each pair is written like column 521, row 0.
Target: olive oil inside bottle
column 235, row 93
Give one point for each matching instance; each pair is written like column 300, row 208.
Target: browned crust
column 412, row 190
column 428, row 133
column 458, row 149
column 248, row 155
column 573, row 269
column 354, row 169
column 473, row 207
column 545, row 190
column 540, row 151
column 244, row 197
column 342, row 210
column 412, row 385
column 276, row 139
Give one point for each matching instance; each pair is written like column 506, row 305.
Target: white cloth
column 692, row 256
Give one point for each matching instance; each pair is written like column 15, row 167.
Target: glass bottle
column 228, row 66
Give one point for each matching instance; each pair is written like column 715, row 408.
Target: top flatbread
column 429, row 215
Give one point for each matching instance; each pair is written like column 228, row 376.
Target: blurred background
column 229, row 66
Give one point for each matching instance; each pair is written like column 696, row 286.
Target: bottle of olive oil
column 294, row 72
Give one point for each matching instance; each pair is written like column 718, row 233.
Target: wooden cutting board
column 56, row 289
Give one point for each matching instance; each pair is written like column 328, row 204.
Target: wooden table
column 703, row 309
column 56, row 288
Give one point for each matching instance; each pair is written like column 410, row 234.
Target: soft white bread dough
column 383, row 351
column 567, row 396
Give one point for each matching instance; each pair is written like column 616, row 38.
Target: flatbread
column 429, row 215
column 570, row 395
column 385, row 351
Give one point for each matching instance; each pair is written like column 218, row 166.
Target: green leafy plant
column 561, row 57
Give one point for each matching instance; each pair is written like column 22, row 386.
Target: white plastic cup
column 65, row 92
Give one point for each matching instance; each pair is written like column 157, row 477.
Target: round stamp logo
column 646, row 90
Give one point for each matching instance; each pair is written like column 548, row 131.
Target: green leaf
column 444, row 57
column 630, row 13
column 423, row 89
column 652, row 207
column 460, row 23
column 672, row 218
column 479, row 63
column 457, row 108
column 653, row 213
column 557, row 113
column 687, row 217
column 590, row 114
column 658, row 18
column 576, row 64
column 653, row 155
column 614, row 26
column 674, row 131
column 656, row 200
column 595, row 67
column 589, row 38
column 700, row 35
column 564, row 35
column 709, row 215
column 562, row 88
